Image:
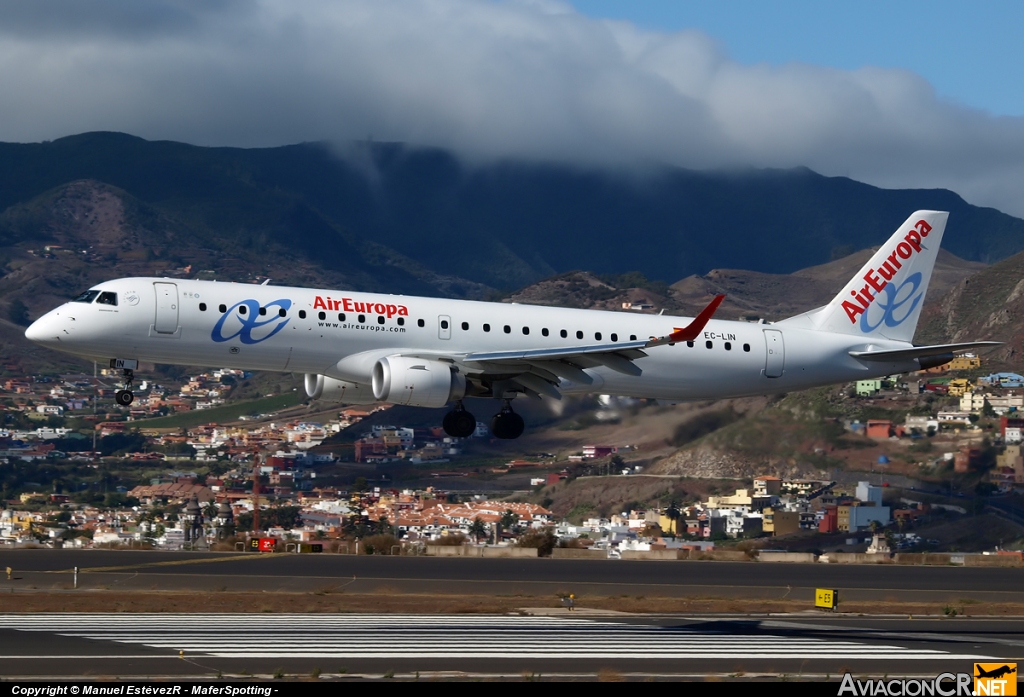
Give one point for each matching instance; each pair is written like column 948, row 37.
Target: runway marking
column 177, row 562
column 442, row 636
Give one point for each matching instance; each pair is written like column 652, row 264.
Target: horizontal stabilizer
column 921, row 351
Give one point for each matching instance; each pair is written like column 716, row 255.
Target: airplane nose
column 43, row 331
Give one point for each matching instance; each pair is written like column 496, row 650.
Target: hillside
column 748, row 293
column 418, row 220
column 987, row 305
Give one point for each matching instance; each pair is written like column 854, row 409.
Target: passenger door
column 166, row 321
column 775, row 361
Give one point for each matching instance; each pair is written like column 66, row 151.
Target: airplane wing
column 538, row 371
column 921, row 351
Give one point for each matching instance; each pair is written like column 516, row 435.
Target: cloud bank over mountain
column 488, row 80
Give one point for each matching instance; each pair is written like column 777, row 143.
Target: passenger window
column 322, row 315
column 465, row 326
column 380, row 319
column 419, row 323
column 689, row 344
column 526, row 330
column 708, row 344
column 362, row 318
column 632, row 337
column 508, row 329
column 302, row 313
column 487, row 327
column 579, row 335
column 728, row 346
column 597, row 336
column 746, row 347
column 107, row 298
column 263, row 311
column 202, row 307
column 401, row 321
column 341, row 317
column 544, row 331
column 615, row 337
column 242, row 309
column 222, row 307
column 563, row 333
column 86, row 297
column 282, row 312
column 444, row 324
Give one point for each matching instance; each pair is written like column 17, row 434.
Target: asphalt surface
column 481, row 646
column 577, row 645
column 151, row 570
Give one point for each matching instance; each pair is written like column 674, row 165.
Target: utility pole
column 95, row 400
column 256, row 491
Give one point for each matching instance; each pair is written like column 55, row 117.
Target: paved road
column 150, row 570
column 148, row 645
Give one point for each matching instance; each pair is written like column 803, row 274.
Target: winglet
column 690, row 331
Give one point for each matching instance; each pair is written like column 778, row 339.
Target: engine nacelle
column 328, row 389
column 416, row 382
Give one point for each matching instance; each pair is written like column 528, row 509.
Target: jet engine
column 333, row 390
column 416, row 382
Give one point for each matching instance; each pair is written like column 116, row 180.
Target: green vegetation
column 228, row 412
column 635, row 279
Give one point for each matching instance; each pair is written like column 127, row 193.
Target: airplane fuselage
column 342, row 334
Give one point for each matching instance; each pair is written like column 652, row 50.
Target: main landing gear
column 507, row 424
column 124, row 396
column 459, row 423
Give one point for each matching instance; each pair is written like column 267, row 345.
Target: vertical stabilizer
column 884, row 299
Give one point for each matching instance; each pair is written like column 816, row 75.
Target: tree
column 509, row 520
column 478, row 529
column 17, row 312
column 543, row 540
column 672, row 513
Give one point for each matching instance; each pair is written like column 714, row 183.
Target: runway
column 199, row 571
column 149, row 645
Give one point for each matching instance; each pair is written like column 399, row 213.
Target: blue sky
column 970, row 52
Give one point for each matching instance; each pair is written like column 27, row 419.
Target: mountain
column 408, row 219
column 749, row 294
column 986, row 305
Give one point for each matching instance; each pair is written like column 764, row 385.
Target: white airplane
column 359, row 348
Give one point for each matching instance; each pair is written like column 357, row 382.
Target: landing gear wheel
column 125, row 397
column 507, row 424
column 459, row 423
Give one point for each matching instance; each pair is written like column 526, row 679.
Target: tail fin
column 884, row 299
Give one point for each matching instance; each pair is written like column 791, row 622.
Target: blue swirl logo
column 896, row 304
column 249, row 326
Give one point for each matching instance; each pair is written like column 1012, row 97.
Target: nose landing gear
column 507, row 424
column 459, row 423
column 124, row 396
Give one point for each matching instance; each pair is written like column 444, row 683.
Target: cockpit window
column 86, row 297
column 107, row 298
